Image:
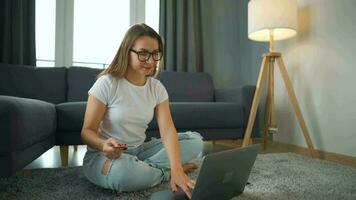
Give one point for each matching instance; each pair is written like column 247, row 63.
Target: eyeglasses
column 144, row 56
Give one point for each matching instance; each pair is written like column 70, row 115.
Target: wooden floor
column 51, row 158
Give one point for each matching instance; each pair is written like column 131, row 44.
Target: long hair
column 120, row 63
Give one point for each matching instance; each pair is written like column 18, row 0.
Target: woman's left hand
column 179, row 178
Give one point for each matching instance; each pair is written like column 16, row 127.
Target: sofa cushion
column 80, row 80
column 70, row 116
column 188, row 87
column 43, row 83
column 204, row 115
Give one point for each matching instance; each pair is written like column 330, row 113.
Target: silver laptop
column 223, row 175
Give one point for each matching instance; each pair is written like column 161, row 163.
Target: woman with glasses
column 121, row 104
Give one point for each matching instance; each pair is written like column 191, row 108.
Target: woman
column 120, row 105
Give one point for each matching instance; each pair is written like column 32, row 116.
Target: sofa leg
column 64, row 155
column 75, row 147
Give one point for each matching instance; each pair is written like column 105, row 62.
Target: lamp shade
column 277, row 17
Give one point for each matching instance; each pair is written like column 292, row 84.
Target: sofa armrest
column 24, row 122
column 243, row 96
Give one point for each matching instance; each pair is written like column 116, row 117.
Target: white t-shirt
column 130, row 108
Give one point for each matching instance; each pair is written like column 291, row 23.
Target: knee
column 106, row 166
column 196, row 138
column 193, row 141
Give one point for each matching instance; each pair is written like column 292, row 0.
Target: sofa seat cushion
column 204, row 115
column 70, row 116
column 186, row 115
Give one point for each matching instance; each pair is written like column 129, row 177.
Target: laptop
column 223, row 175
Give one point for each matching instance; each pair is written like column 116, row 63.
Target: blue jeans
column 141, row 167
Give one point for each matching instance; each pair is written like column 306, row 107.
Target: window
column 98, row 29
column 45, row 32
column 152, row 14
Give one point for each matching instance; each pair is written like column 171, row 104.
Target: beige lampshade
column 278, row 17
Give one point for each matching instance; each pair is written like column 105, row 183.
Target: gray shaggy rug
column 274, row 176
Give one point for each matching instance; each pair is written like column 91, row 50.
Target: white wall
column 321, row 62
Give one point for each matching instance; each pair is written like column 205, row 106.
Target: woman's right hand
column 111, row 148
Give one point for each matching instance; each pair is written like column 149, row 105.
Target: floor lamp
column 269, row 21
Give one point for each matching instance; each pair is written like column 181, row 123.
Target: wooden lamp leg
column 296, row 107
column 267, row 114
column 273, row 125
column 255, row 102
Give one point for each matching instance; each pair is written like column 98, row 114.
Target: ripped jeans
column 141, row 167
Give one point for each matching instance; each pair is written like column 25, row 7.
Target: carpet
column 274, row 176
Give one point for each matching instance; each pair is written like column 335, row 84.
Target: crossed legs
column 146, row 166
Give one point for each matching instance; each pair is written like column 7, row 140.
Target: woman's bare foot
column 189, row 167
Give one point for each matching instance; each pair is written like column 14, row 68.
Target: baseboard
column 278, row 147
column 339, row 158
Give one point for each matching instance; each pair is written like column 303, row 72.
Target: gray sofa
column 43, row 107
